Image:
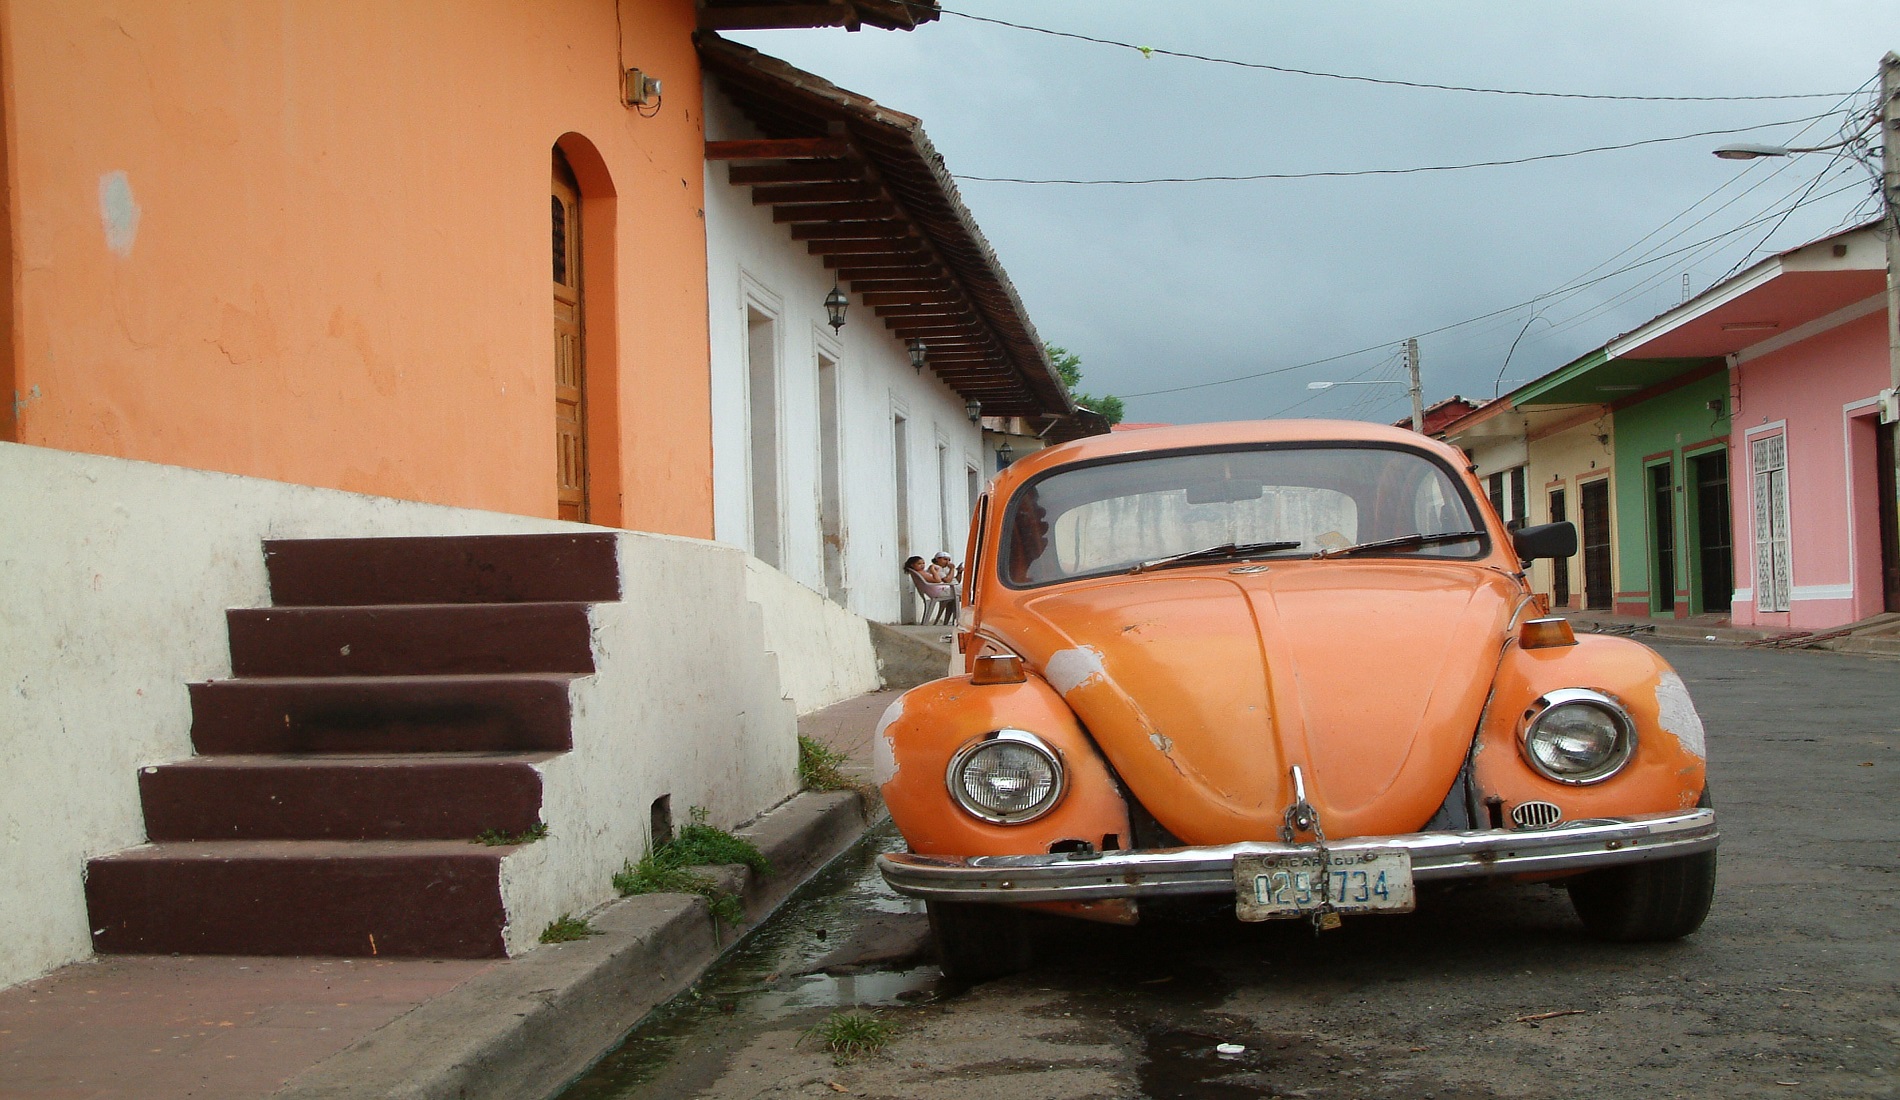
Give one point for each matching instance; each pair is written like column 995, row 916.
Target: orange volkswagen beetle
column 1297, row 664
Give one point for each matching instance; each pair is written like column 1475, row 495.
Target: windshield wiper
column 1401, row 541
column 1225, row 550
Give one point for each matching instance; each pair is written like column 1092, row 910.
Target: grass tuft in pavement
column 566, row 928
column 821, row 768
column 496, row 838
column 850, row 1035
column 667, row 869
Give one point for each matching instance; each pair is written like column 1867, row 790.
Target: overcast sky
column 1179, row 284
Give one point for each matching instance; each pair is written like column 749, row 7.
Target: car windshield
column 1110, row 517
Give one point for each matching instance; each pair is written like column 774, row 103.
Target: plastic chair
column 940, row 600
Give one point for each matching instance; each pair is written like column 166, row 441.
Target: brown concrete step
column 299, row 897
column 410, row 639
column 577, row 568
column 432, row 796
column 522, row 712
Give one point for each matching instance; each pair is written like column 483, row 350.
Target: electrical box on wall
column 1889, row 406
column 641, row 90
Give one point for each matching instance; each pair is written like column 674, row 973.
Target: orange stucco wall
column 309, row 241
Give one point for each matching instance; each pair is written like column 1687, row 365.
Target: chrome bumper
column 1436, row 857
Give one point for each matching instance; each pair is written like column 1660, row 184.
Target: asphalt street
column 1792, row 988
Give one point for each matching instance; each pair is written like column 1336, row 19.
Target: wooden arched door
column 570, row 369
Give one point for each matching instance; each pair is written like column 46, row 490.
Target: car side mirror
column 1546, row 540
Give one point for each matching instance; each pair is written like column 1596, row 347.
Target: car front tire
column 1664, row 899
column 977, row 942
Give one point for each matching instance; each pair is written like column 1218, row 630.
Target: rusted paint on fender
column 928, row 724
column 1668, row 771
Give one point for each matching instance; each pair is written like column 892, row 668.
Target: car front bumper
column 1436, row 857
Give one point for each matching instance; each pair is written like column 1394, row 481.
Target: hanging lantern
column 918, row 349
column 835, row 304
column 975, row 409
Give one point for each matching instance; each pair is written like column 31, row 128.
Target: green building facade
column 1674, row 551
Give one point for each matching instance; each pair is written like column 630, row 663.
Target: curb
column 529, row 1027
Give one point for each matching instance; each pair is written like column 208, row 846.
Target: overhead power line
column 1564, row 289
column 1336, row 174
column 1156, row 51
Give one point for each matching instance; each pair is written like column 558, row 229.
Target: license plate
column 1291, row 884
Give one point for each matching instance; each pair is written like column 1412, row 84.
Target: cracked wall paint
column 119, row 212
column 1676, row 714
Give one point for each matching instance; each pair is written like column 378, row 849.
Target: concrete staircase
column 393, row 703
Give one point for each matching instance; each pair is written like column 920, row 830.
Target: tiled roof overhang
column 865, row 189
column 741, row 15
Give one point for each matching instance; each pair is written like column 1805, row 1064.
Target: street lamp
column 1411, row 370
column 1887, row 117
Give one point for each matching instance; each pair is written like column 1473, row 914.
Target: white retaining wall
column 116, row 575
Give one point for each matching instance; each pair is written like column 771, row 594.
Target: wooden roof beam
column 895, row 284
column 926, row 331
column 834, row 212
column 881, row 247
column 818, row 148
column 896, row 298
column 777, row 194
column 956, row 310
column 795, row 171
column 859, row 267
column 853, row 231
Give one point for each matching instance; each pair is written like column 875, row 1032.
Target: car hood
column 1204, row 688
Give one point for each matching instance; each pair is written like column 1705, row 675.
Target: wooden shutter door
column 570, row 391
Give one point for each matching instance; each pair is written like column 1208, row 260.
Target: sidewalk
column 237, row 1028
column 1875, row 637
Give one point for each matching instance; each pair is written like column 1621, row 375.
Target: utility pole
column 1418, row 395
column 1890, row 206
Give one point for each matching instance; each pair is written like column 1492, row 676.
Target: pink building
column 1804, row 334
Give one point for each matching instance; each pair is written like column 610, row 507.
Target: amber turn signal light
column 1545, row 633
column 998, row 668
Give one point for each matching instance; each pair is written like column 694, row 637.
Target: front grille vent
column 1536, row 815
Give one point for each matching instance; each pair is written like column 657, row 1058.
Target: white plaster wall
column 684, row 702
column 824, row 652
column 749, row 255
column 116, row 576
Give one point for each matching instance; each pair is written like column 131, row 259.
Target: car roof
column 1181, row 436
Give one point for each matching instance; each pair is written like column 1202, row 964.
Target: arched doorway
column 570, row 368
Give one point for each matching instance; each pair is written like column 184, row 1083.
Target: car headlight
column 1578, row 736
column 1008, row 777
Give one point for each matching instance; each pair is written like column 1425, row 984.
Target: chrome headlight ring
column 1006, row 777
column 1576, row 736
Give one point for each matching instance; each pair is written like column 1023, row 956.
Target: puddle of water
column 872, row 989
column 1192, row 1065
column 760, row 985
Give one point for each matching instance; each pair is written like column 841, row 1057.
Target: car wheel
column 1664, row 899
column 978, row 942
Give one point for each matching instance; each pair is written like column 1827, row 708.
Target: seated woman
column 940, row 599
